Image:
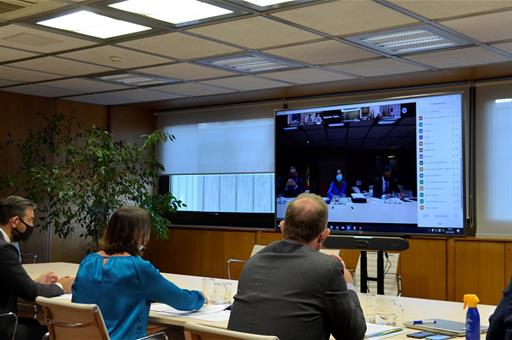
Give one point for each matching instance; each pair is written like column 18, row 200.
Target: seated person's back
column 292, row 291
column 122, row 284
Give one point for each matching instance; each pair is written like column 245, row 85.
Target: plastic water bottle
column 472, row 317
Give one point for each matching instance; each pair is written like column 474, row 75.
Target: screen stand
column 365, row 243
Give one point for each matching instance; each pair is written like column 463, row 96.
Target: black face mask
column 17, row 236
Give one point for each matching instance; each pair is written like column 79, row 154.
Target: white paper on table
column 375, row 330
column 207, row 312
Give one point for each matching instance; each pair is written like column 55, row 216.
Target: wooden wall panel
column 129, row 124
column 423, row 269
column 267, row 237
column 479, row 267
column 200, row 252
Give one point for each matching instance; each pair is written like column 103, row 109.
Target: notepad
column 441, row 326
column 207, row 312
column 374, row 331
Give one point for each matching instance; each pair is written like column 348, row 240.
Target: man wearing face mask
column 338, row 187
column 17, row 224
column 291, row 290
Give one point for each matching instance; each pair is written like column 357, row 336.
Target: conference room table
column 414, row 309
column 374, row 210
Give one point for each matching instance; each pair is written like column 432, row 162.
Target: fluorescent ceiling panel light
column 250, row 63
column 409, row 40
column 336, row 124
column 504, row 100
column 135, row 79
column 96, row 25
column 173, row 11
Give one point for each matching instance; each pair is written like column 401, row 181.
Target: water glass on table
column 387, row 310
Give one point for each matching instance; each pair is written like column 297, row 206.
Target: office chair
column 9, row 321
column 194, row 331
column 69, row 321
column 392, row 280
column 255, row 250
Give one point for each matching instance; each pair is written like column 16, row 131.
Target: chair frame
column 51, row 323
column 11, row 314
column 194, row 330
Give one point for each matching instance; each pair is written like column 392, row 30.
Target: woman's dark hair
column 128, row 228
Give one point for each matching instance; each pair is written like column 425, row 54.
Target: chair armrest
column 233, row 261
column 160, row 335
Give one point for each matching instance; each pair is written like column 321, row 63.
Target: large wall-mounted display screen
column 392, row 166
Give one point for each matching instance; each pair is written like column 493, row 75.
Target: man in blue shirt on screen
column 291, row 290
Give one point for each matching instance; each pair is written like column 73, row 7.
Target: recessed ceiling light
column 96, row 25
column 175, row 11
column 135, row 79
column 409, row 40
column 250, row 63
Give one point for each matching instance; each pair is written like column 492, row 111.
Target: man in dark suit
column 291, row 290
column 386, row 184
column 500, row 322
column 16, row 224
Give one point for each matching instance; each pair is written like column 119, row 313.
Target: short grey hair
column 12, row 206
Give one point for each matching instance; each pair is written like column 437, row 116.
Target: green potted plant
column 79, row 176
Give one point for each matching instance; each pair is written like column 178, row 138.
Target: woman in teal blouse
column 121, row 283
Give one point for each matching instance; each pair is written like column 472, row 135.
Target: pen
column 423, row 322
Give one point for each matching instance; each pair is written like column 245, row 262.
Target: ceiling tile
column 323, row 52
column 245, row 83
column 30, row 8
column 380, row 67
column 21, row 75
column 60, row 66
column 124, row 97
column 99, row 99
column 39, row 90
column 116, row 57
column 346, row 17
column 255, row 32
column 485, row 28
column 306, row 76
column 8, row 54
column 38, row 40
column 144, row 95
column 459, row 57
column 505, row 47
column 435, row 9
column 186, row 71
column 192, row 89
column 6, row 83
column 190, row 47
column 82, row 85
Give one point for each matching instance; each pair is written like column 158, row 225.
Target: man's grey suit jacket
column 293, row 292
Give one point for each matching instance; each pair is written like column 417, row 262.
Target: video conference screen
column 391, row 166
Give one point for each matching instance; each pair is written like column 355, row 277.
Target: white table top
column 414, row 309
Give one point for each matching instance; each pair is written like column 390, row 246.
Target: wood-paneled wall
column 432, row 268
